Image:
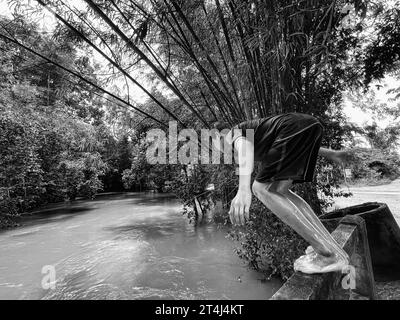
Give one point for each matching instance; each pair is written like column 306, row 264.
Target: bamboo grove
column 222, row 60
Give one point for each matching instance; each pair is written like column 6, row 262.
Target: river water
column 126, row 246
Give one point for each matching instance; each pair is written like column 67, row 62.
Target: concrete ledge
column 383, row 234
column 351, row 235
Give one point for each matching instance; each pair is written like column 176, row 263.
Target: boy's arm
column 341, row 157
column 240, row 206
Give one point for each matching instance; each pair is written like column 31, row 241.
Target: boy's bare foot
column 315, row 263
column 309, row 250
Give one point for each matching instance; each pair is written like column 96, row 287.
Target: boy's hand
column 240, row 207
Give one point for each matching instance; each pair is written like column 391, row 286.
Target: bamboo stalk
column 81, row 78
column 131, row 45
column 110, row 60
column 201, row 46
column 238, row 110
column 213, row 87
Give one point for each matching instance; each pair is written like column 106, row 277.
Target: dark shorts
column 293, row 157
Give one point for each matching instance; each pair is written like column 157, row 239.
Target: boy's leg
column 308, row 212
column 326, row 258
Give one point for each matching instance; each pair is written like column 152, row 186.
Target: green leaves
column 383, row 54
column 49, row 146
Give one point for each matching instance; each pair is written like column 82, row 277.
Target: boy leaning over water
column 287, row 145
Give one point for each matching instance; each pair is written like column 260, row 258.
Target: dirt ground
column 389, row 194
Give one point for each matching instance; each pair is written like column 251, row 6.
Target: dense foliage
column 54, row 143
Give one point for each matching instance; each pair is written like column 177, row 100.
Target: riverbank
column 9, row 221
